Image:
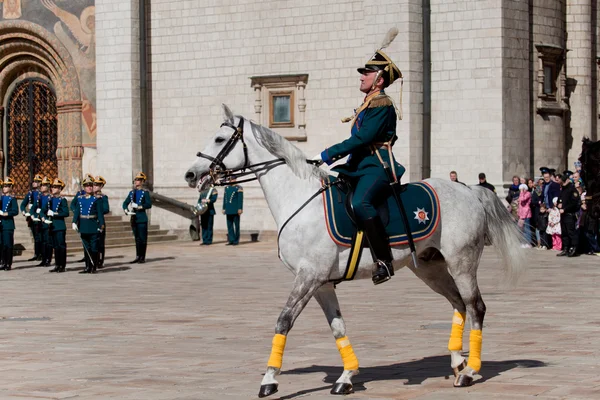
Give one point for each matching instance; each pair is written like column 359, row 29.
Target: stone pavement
column 196, row 322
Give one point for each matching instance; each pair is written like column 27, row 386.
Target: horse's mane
column 282, row 148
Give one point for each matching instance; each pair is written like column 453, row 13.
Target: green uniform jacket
column 233, row 199
column 212, row 199
column 9, row 205
column 105, row 204
column 374, row 124
column 33, row 197
column 93, row 206
column 61, row 211
column 144, row 203
column 73, row 205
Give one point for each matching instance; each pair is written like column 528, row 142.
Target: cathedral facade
column 120, row 86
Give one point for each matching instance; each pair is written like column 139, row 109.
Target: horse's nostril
column 190, row 176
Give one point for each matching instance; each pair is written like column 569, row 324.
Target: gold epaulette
column 382, row 100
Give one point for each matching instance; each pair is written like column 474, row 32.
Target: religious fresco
column 73, row 23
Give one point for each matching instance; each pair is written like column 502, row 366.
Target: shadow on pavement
column 414, row 372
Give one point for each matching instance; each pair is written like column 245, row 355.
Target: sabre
column 85, row 248
column 395, row 187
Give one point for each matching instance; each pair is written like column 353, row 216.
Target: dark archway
column 32, row 133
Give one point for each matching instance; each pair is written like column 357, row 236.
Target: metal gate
column 32, row 134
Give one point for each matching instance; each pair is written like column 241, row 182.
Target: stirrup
column 383, row 272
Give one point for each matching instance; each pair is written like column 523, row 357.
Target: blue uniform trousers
column 233, row 228
column 369, row 190
column 140, row 231
column 206, row 222
column 8, row 241
column 46, row 244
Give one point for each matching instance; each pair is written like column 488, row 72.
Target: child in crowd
column 554, row 226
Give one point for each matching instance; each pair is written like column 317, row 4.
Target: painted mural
column 73, row 22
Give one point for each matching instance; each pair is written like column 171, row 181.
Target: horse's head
column 590, row 174
column 225, row 151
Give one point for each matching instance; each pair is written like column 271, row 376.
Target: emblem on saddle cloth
column 419, row 199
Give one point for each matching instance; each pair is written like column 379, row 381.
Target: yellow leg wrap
column 456, row 334
column 276, row 358
column 348, row 357
column 475, row 351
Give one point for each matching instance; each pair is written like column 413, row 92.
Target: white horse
column 448, row 259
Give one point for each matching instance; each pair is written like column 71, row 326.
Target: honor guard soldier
column 208, row 197
column 88, row 220
column 99, row 183
column 45, row 197
column 7, row 214
column 233, row 206
column 373, row 134
column 53, row 215
column 29, row 205
column 73, row 204
column 569, row 204
column 139, row 201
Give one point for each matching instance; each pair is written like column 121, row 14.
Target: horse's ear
column 227, row 114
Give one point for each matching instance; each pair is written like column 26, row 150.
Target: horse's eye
column 219, row 140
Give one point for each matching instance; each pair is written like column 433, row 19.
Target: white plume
column 389, row 37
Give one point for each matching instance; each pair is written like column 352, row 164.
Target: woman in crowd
column 524, row 213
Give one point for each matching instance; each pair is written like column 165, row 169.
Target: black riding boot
column 573, row 252
column 88, row 266
column 94, row 263
column 2, row 258
column 142, row 253
column 378, row 240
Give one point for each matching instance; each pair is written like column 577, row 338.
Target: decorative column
column 301, row 108
column 1, row 142
column 69, row 151
column 257, row 101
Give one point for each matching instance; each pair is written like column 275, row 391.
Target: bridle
column 221, row 175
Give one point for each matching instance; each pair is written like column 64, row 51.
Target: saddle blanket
column 420, row 201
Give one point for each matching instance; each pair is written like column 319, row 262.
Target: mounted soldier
column 370, row 146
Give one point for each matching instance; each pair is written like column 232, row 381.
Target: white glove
column 47, row 221
column 39, row 210
column 134, row 205
column 2, row 213
column 318, row 159
column 75, row 227
column 50, row 213
column 24, row 214
column 27, row 215
column 129, row 213
column 35, row 219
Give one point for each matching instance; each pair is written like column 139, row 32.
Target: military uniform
column 88, row 220
column 570, row 202
column 141, row 201
column 46, row 237
column 29, row 205
column 233, row 205
column 54, row 213
column 373, row 134
column 9, row 209
column 80, row 193
column 105, row 205
column 208, row 218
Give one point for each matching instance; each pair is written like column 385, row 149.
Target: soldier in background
column 9, row 210
column 99, row 183
column 139, row 201
column 233, row 207
column 569, row 204
column 208, row 197
column 53, row 214
column 88, row 220
column 45, row 197
column 74, row 205
column 29, row 205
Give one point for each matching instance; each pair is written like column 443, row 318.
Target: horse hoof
column 267, row 390
column 459, row 368
column 463, row 381
column 342, row 388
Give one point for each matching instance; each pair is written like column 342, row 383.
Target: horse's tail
column 503, row 233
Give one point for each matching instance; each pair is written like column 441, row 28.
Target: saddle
column 419, row 198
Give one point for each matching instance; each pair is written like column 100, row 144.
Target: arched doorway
column 32, row 134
